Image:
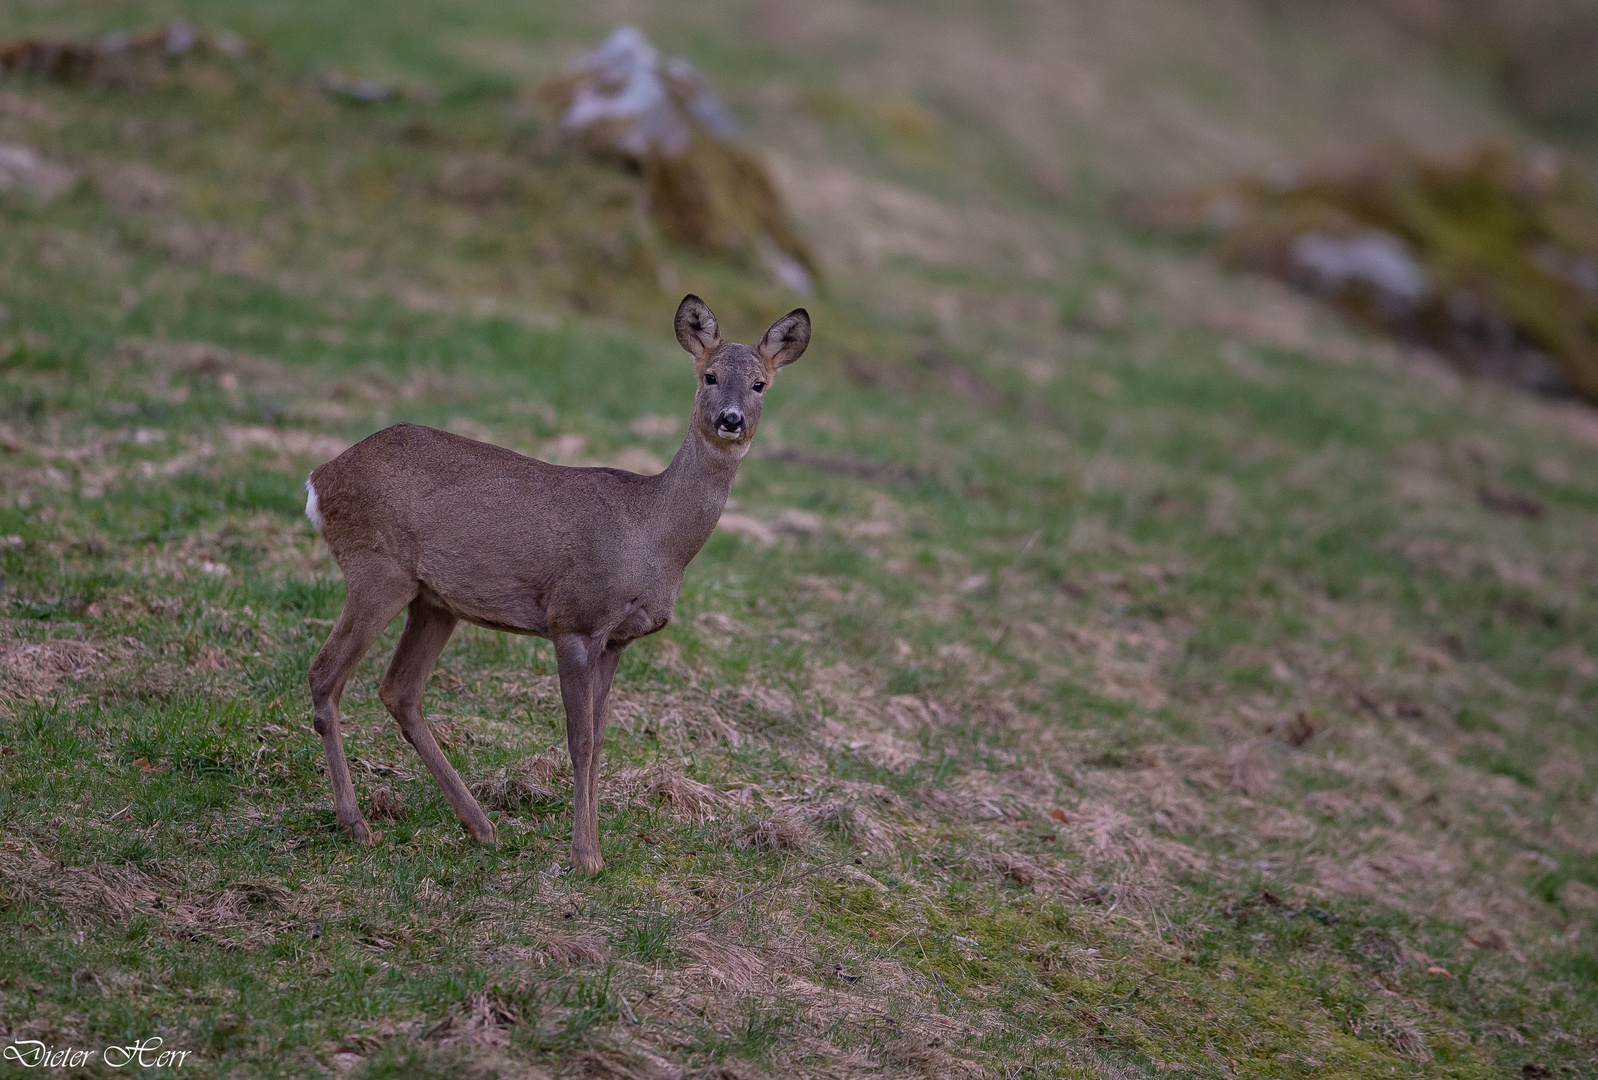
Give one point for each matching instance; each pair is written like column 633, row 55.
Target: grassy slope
column 1175, row 707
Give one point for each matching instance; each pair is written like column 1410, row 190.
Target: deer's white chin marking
column 312, row 511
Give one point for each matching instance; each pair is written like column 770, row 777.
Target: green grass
column 1167, row 705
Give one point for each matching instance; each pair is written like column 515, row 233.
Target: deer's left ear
column 786, row 341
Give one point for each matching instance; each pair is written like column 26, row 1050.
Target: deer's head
column 733, row 378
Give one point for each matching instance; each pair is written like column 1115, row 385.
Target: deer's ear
column 697, row 331
column 787, row 339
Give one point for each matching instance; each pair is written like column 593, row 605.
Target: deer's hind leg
column 427, row 630
column 368, row 609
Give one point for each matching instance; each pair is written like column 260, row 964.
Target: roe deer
column 591, row 559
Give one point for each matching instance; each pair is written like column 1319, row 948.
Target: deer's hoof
column 364, row 833
column 483, row 832
column 587, row 865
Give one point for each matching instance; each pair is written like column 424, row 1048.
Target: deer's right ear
column 697, row 331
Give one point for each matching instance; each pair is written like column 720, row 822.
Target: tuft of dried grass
column 486, row 1010
column 568, row 951
column 786, row 830
column 29, row 670
column 854, row 824
column 772, row 700
column 1406, row 1039
column 1379, row 949
column 977, row 805
column 1026, row 872
column 102, row 890
column 714, row 622
column 385, row 805
column 238, row 902
column 1022, row 871
column 1110, row 833
column 679, row 795
column 1579, row 896
column 106, row 892
column 554, row 950
column 522, row 784
column 98, row 891
column 911, row 713
column 880, row 749
column 725, row 966
column 630, row 1062
column 1251, row 775
column 481, row 1017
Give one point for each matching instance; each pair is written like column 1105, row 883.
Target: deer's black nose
column 730, row 420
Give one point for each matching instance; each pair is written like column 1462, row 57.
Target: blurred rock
column 1489, row 257
column 1378, row 260
column 707, row 192
column 115, row 58
column 632, row 99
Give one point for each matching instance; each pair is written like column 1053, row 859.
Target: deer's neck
column 690, row 496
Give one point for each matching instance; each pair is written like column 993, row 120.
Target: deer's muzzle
column 730, row 423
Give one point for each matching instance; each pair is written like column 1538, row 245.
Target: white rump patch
column 312, row 511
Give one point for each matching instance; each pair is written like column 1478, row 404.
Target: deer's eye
column 759, row 386
column 710, row 380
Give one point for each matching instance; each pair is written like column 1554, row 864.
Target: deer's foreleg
column 604, row 672
column 578, row 660
column 427, row 630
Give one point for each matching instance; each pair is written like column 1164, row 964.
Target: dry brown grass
column 34, row 669
column 671, row 790
column 785, row 830
column 99, row 893
column 722, row 965
column 385, row 805
column 530, row 780
column 94, row 892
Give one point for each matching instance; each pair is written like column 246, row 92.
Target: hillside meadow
column 1108, row 666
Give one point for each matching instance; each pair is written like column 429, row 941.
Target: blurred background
column 426, row 148
column 1436, row 154
column 1426, row 164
